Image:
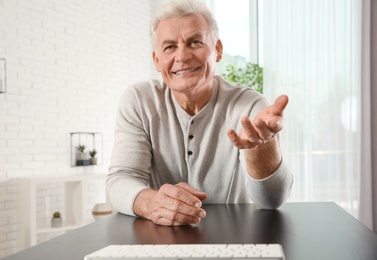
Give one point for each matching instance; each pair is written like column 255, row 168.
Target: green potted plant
column 56, row 220
column 93, row 159
column 250, row 75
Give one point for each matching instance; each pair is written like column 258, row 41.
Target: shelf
column 91, row 141
column 63, row 228
column 69, row 190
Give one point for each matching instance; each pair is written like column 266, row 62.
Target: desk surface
column 305, row 230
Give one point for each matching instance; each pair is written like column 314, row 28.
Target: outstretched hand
column 262, row 128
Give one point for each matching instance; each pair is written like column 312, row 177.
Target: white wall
column 67, row 63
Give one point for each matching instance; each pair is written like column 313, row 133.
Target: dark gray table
column 305, row 230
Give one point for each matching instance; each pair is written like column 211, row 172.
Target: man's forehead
column 182, row 22
column 186, row 27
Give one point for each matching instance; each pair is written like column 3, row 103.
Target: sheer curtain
column 312, row 53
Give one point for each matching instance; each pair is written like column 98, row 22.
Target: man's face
column 185, row 54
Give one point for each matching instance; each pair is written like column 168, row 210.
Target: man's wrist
column 263, row 160
column 142, row 203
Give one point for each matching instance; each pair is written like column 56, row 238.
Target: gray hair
column 180, row 8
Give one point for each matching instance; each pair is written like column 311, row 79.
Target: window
column 310, row 51
column 238, row 31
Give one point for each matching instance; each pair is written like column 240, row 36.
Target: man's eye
column 196, row 43
column 169, row 48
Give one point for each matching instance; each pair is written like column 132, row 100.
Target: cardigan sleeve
column 129, row 169
column 273, row 191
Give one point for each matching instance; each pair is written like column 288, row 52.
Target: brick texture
column 67, row 64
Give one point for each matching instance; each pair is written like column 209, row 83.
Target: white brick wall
column 67, row 63
column 8, row 220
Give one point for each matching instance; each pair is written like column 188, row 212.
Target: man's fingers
column 180, row 212
column 275, row 124
column 279, row 105
column 172, row 218
column 175, row 206
column 270, row 121
column 199, row 194
column 264, row 126
column 185, row 193
column 244, row 142
column 180, row 200
column 236, row 140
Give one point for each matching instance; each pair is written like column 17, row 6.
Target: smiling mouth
column 181, row 72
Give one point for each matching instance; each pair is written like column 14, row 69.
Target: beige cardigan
column 157, row 142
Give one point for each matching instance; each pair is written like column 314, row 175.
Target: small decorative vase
column 56, row 222
column 93, row 161
column 80, row 156
column 101, row 210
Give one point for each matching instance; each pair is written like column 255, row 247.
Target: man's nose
column 183, row 54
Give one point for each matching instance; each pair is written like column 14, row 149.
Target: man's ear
column 219, row 50
column 156, row 61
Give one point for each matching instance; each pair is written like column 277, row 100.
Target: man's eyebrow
column 168, row 42
column 195, row 36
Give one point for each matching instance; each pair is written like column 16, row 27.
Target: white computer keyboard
column 189, row 251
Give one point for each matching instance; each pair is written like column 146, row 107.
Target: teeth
column 184, row 71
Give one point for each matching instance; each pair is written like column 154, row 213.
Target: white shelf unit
column 74, row 207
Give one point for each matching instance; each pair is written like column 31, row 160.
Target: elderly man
column 194, row 137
